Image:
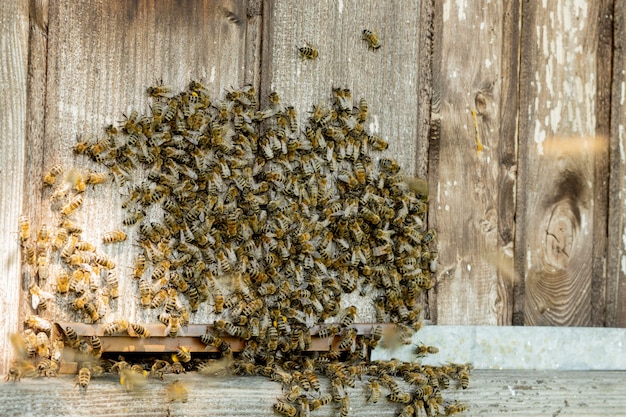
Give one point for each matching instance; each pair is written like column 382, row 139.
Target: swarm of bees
column 268, row 223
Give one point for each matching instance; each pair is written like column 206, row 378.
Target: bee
column 313, row 380
column 92, row 311
column 83, row 378
column 28, row 252
column 218, row 301
column 114, row 236
column 294, row 393
column 376, row 335
column 272, row 338
column 371, row 38
column 24, row 228
column 423, row 350
column 51, row 176
column 47, row 367
column 403, row 397
column 348, row 316
column 39, row 297
column 285, row 408
column 308, row 52
column 117, row 326
column 160, row 91
column 73, row 204
column 138, row 330
column 105, row 261
column 42, row 344
column 182, row 355
column 173, row 326
column 42, row 268
column 348, row 340
column 321, row 401
column 456, row 407
column 345, row 406
column 38, row 324
column 140, row 266
column 60, row 239
column 373, row 390
column 463, row 376
column 96, row 346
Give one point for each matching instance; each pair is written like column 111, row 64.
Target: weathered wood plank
column 102, row 57
column 558, row 150
column 473, row 188
column 491, row 393
column 387, row 78
column 14, row 34
column 616, row 263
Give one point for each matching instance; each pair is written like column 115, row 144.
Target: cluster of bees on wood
column 271, row 224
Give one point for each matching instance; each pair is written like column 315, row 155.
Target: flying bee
column 117, row 326
column 114, row 236
column 371, row 37
column 73, row 204
column 83, row 378
column 176, row 391
column 308, row 52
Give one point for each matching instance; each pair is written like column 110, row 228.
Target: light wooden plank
column 490, row 393
column 557, row 159
column 616, row 262
column 471, row 201
column 388, row 78
column 102, row 57
column 14, row 31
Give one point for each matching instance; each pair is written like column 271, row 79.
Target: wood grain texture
column 558, row 145
column 14, row 33
column 467, row 184
column 490, row 393
column 101, row 58
column 387, row 78
column 616, row 263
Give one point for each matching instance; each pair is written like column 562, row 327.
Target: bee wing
column 36, row 299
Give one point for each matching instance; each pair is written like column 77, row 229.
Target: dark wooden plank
column 469, row 186
column 601, row 163
column 616, row 262
column 557, row 164
column 491, row 393
column 14, row 34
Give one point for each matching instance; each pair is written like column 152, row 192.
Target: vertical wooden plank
column 616, row 268
column 471, row 189
column 14, row 34
column 556, row 194
column 387, row 77
column 102, row 57
column 604, row 69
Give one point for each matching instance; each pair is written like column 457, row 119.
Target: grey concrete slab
column 503, row 347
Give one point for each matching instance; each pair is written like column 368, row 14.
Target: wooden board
column 472, row 204
column 101, row 59
column 492, row 393
column 616, row 258
column 14, row 156
column 386, row 77
column 560, row 155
